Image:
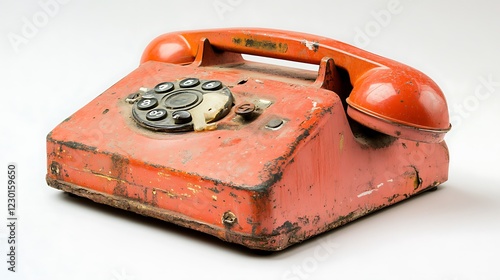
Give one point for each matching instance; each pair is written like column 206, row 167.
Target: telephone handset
column 387, row 96
column 260, row 155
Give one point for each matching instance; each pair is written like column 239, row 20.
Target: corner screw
column 54, row 168
column 229, row 218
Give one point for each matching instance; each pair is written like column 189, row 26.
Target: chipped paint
column 266, row 103
column 312, row 46
column 366, row 193
column 418, row 181
column 162, row 174
column 170, row 194
column 193, row 190
column 314, row 104
column 104, row 176
column 341, row 142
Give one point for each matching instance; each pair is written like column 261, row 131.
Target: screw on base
column 229, row 218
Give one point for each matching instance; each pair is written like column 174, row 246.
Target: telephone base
column 270, row 242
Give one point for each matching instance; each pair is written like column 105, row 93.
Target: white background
column 83, row 47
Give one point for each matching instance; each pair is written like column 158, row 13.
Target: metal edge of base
column 276, row 242
column 253, row 242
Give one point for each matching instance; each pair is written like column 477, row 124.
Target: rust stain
column 418, row 181
column 120, row 190
column 286, row 228
column 170, row 194
column 233, row 195
column 261, row 45
column 120, row 166
column 304, row 220
column 154, row 198
column 214, row 189
column 390, row 199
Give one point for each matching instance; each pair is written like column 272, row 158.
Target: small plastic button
column 181, row 117
column 189, row 82
column 211, row 85
column 147, row 103
column 156, row 114
column 164, row 87
column 274, row 123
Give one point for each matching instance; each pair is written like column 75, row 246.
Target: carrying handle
column 387, row 96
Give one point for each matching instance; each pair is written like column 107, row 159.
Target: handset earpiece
column 170, row 48
column 403, row 103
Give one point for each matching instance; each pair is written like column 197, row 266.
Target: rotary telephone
column 256, row 154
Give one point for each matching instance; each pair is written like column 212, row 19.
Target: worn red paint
column 244, row 183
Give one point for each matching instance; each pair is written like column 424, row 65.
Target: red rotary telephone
column 261, row 155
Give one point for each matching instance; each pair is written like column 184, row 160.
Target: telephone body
column 261, row 155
